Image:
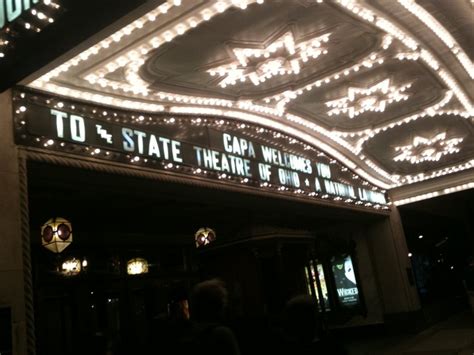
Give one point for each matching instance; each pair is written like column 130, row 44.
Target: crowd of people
column 201, row 328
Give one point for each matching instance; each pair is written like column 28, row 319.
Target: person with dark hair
column 208, row 335
column 303, row 330
column 168, row 328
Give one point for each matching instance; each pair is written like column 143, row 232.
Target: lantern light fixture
column 71, row 267
column 56, row 234
column 204, row 236
column 137, row 266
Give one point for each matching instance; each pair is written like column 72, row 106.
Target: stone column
column 14, row 238
column 389, row 254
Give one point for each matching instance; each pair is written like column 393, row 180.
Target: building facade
column 265, row 143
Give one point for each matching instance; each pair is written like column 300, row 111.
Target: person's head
column 179, row 309
column 301, row 318
column 209, row 300
column 178, row 306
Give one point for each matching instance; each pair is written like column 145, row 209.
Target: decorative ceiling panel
column 371, row 97
column 424, row 145
column 456, row 18
column 193, row 62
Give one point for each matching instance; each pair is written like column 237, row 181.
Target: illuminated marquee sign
column 10, row 10
column 21, row 19
column 208, row 147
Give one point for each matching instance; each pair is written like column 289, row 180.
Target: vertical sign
column 346, row 283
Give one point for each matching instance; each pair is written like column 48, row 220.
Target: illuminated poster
column 346, row 283
column 322, row 283
column 315, row 274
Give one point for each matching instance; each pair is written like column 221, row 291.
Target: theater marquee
column 210, row 147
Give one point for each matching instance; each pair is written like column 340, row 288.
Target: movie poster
column 315, row 274
column 346, row 283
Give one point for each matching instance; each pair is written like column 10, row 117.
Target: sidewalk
column 454, row 336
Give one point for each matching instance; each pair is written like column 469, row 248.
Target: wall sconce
column 137, row 266
column 56, row 234
column 71, row 267
column 204, row 236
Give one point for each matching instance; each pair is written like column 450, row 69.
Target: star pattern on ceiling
column 375, row 98
column 283, row 56
column 424, row 149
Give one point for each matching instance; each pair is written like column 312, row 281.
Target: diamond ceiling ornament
column 424, row 149
column 374, row 98
column 281, row 57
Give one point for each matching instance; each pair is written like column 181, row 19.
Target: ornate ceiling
column 386, row 87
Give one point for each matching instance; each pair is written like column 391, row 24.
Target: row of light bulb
column 286, row 65
column 430, row 153
column 166, row 34
column 153, row 108
column 432, row 111
column 387, row 26
column 198, row 171
column 41, row 16
column 429, row 195
column 409, row 179
column 325, row 81
column 347, row 162
column 141, row 119
column 439, row 30
column 30, row 27
column 116, row 37
column 370, row 61
column 134, row 55
column 353, row 107
column 280, row 126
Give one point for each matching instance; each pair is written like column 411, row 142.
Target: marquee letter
column 165, row 142
column 128, row 144
column 227, row 138
column 59, row 122
column 198, row 154
column 153, row 147
column 247, row 168
column 251, row 150
column 2, row 16
column 176, row 151
column 264, row 171
column 13, row 9
column 244, row 146
column 267, row 154
column 78, row 128
column 140, row 136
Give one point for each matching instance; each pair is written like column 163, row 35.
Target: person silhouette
column 208, row 303
column 303, row 330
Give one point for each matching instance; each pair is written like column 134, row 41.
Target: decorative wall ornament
column 56, row 234
column 283, row 56
column 424, row 149
column 374, row 98
column 204, row 236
